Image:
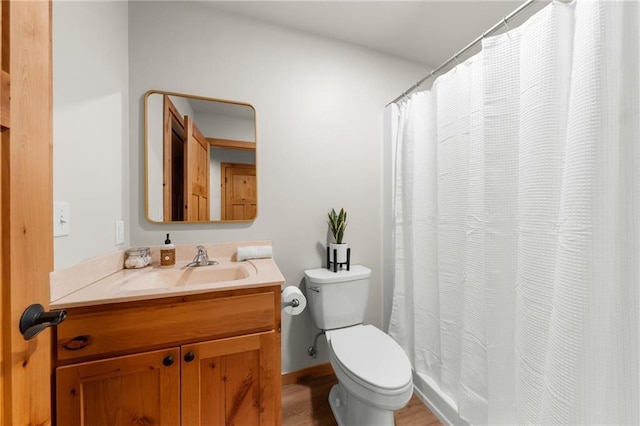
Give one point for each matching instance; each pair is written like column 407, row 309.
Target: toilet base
column 350, row 411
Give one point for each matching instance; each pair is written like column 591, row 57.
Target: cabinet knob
column 189, row 356
column 167, row 361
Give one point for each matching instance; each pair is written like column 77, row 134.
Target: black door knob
column 34, row 319
column 189, row 356
column 167, row 361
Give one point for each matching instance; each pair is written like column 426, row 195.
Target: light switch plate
column 119, row 232
column 61, row 219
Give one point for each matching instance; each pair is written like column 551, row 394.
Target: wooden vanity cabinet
column 203, row 375
column 225, row 382
column 128, row 390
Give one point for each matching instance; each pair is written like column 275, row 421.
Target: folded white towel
column 253, row 252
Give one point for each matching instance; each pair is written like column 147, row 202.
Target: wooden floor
column 306, row 403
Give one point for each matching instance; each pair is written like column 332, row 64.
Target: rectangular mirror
column 200, row 159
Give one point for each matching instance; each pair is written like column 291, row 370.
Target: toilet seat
column 371, row 364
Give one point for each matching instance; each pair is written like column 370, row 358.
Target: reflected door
column 239, row 194
column 197, row 174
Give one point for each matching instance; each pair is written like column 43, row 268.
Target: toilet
column 374, row 373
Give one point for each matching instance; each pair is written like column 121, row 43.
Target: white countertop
column 153, row 282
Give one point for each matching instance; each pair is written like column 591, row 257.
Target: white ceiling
column 427, row 32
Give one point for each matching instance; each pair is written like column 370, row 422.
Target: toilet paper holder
column 292, row 300
column 293, row 303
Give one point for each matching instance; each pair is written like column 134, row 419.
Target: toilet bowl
column 374, row 376
column 374, row 373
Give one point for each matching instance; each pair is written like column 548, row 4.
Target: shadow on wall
column 302, row 327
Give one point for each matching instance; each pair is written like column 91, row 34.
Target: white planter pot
column 341, row 252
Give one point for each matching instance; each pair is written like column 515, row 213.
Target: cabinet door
column 141, row 389
column 234, row 381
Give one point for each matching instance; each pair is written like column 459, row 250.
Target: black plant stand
column 337, row 265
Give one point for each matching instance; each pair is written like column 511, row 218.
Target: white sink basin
column 182, row 277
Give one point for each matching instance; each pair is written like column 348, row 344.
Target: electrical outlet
column 119, row 232
column 61, row 219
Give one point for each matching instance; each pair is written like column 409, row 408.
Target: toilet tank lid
column 325, row 276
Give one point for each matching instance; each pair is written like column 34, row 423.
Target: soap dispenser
column 167, row 253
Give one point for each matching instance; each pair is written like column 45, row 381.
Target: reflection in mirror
column 200, row 159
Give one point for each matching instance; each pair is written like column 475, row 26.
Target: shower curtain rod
column 487, row 33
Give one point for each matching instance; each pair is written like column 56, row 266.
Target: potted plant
column 337, row 225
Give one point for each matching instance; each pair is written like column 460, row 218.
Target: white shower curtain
column 517, row 234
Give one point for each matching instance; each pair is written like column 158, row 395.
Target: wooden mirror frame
column 184, row 144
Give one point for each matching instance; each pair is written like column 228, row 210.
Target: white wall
column 319, row 107
column 90, row 125
column 226, row 127
column 182, row 105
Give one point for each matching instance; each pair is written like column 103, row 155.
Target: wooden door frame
column 170, row 115
column 26, row 209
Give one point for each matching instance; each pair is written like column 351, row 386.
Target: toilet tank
column 338, row 299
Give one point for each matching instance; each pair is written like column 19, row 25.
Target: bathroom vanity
column 196, row 353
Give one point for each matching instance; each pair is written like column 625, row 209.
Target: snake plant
column 337, row 224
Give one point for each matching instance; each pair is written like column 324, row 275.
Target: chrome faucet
column 202, row 258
